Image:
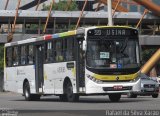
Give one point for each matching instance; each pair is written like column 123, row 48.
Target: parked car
column 148, row 87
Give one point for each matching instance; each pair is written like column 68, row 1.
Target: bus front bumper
column 112, row 87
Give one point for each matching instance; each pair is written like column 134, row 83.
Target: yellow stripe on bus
column 114, row 77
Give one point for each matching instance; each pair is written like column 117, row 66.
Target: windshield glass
column 112, row 53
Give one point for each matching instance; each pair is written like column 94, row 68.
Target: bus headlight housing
column 94, row 79
column 137, row 78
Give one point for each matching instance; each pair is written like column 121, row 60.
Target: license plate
column 118, row 87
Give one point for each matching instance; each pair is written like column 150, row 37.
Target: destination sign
column 112, row 32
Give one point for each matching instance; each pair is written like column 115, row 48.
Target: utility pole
column 110, row 21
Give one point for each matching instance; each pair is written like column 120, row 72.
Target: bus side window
column 70, row 49
column 15, row 56
column 9, row 57
column 23, row 55
column 49, row 55
column 59, row 51
column 30, row 54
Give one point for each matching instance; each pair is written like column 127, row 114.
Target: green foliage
column 146, row 54
column 72, row 27
column 35, row 26
column 45, row 7
column 62, row 6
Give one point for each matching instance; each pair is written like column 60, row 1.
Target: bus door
column 80, row 65
column 39, row 68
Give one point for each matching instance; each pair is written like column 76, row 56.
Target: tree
column 61, row 6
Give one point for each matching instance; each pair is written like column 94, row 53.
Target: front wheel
column 115, row 97
column 63, row 97
column 68, row 93
column 155, row 95
column 131, row 95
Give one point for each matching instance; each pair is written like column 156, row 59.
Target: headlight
column 94, row 79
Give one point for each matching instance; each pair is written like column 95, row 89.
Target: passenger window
column 23, row 55
column 70, row 49
column 49, row 56
column 15, row 56
column 59, row 51
column 30, row 54
column 9, row 57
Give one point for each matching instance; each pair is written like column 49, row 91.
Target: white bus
column 98, row 60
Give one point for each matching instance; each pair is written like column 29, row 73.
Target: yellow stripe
column 113, row 77
column 74, row 72
column 71, row 32
column 45, row 76
column 68, row 33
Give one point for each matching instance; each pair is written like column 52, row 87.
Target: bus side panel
column 15, row 76
column 10, row 79
column 26, row 72
column 54, row 75
column 49, row 78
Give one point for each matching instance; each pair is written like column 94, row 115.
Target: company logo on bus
column 117, row 78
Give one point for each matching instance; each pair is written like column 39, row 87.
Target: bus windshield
column 112, row 53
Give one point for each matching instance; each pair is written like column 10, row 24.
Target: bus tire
column 115, row 97
column 68, row 93
column 155, row 95
column 134, row 96
column 26, row 92
column 63, row 97
column 131, row 95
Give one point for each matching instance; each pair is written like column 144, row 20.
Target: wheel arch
column 66, row 80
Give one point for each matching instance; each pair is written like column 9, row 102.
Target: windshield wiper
column 123, row 48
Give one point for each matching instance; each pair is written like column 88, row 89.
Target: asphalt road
column 88, row 105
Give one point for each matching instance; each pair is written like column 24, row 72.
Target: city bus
column 98, row 60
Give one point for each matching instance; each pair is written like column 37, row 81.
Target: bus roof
column 80, row 30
